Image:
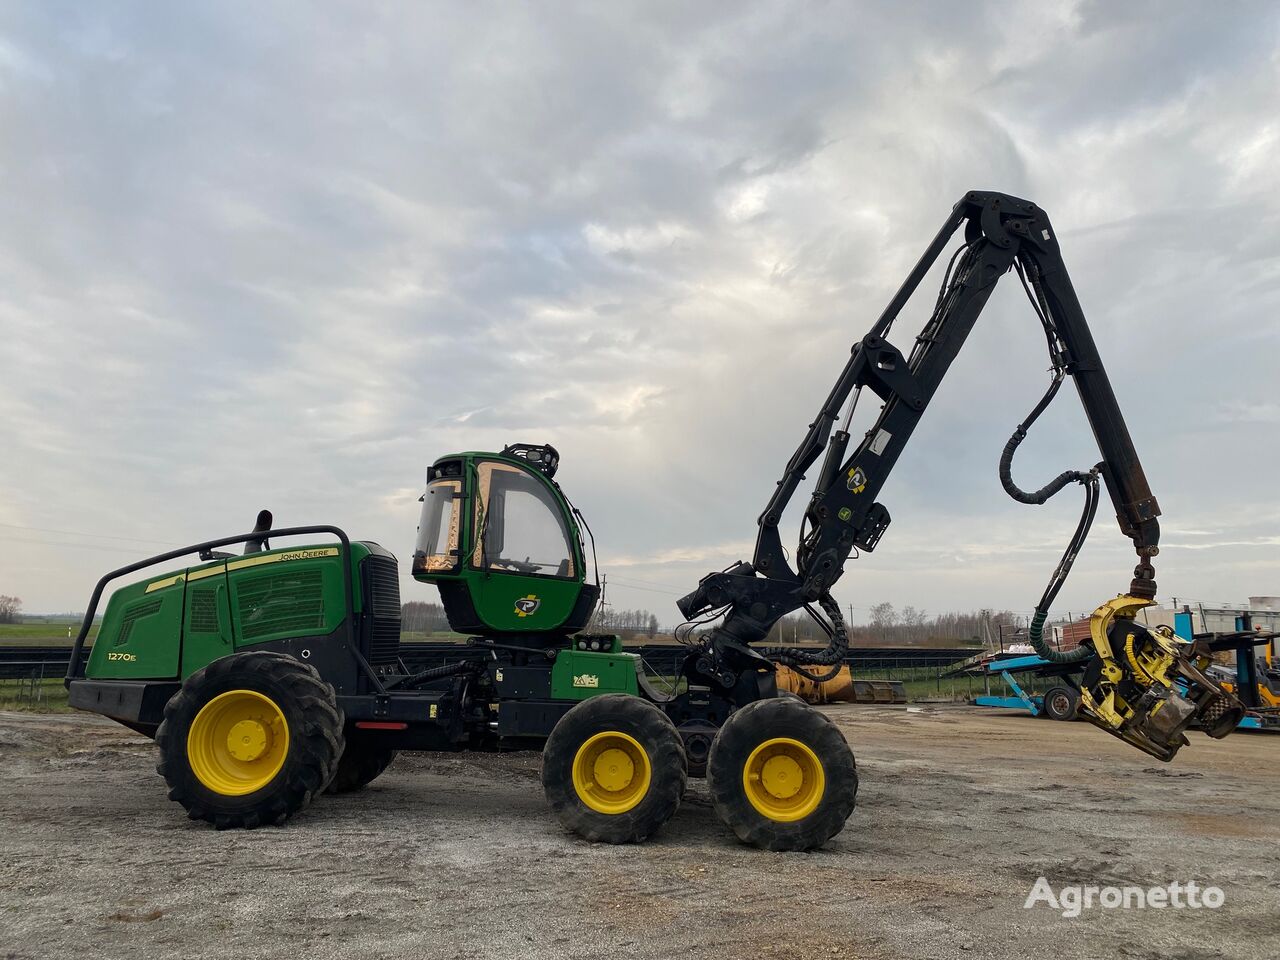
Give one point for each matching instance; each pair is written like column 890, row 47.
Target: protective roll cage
column 1002, row 233
column 75, row 669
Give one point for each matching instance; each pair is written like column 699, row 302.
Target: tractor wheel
column 782, row 776
column 614, row 769
column 249, row 740
column 1061, row 703
column 363, row 761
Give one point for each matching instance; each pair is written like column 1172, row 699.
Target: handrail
column 74, row 667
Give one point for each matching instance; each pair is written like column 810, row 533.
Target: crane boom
column 1002, row 234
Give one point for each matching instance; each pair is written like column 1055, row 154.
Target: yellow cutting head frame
column 1148, row 685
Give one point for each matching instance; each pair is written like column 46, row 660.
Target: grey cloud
column 290, row 258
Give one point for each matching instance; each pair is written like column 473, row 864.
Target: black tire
column 310, row 713
column 788, row 695
column 1061, row 703
column 363, row 761
column 830, row 798
column 655, row 734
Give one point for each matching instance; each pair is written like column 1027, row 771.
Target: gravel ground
column 455, row 856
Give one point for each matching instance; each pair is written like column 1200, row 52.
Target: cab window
column 437, row 548
column 520, row 528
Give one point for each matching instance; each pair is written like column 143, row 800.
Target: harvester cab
column 502, row 542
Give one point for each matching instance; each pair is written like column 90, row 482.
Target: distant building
column 1265, row 612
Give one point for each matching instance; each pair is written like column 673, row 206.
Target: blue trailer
column 1060, row 702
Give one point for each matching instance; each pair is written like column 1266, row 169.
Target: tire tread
column 656, row 733
column 741, row 734
column 315, row 739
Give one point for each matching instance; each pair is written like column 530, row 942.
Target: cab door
column 207, row 617
column 531, row 579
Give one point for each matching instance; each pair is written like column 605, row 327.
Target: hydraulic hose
column 1006, row 458
column 1035, row 634
column 834, row 654
column 438, row 673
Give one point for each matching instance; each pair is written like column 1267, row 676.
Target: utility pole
column 599, row 615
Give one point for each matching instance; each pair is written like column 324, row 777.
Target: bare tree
column 418, row 616
column 911, row 626
column 883, row 615
column 10, row 609
column 911, row 617
column 626, row 623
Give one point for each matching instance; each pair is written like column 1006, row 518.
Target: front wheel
column 249, row 740
column 614, row 769
column 782, row 776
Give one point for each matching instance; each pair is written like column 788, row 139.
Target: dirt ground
column 960, row 810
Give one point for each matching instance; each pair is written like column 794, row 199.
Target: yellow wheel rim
column 238, row 742
column 783, row 779
column 611, row 772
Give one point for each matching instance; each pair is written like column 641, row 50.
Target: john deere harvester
column 268, row 677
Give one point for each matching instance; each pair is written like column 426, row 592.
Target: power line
column 654, row 583
column 91, row 536
column 78, row 546
column 636, row 586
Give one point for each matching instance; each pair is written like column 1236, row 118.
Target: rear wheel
column 363, row 761
column 782, row 776
column 249, row 740
column 614, row 769
column 1061, row 703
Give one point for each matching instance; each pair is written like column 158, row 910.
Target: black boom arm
column 1001, row 234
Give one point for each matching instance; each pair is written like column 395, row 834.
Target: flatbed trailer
column 1034, row 666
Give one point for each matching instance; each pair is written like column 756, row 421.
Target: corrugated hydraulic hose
column 1035, row 636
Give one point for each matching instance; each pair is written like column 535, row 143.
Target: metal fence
column 26, row 682
column 27, row 668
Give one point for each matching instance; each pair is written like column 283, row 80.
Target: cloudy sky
column 287, row 256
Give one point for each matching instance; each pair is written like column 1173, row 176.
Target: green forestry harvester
column 270, row 676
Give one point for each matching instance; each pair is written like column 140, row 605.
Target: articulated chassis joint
column 1147, row 686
